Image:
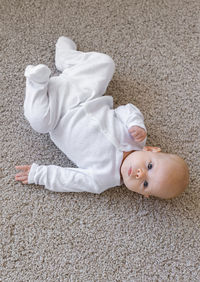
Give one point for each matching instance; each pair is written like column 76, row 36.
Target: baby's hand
column 137, row 133
column 23, row 175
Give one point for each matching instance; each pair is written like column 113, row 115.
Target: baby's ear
column 151, row 149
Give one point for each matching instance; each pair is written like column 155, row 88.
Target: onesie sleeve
column 130, row 115
column 63, row 179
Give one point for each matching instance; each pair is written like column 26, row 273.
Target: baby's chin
column 124, row 171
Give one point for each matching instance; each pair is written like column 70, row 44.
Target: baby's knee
column 38, row 122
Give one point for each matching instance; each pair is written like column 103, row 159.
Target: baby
column 106, row 144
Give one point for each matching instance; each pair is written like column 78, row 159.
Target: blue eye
column 146, row 183
column 150, row 166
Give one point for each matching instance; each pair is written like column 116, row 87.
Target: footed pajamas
column 80, row 120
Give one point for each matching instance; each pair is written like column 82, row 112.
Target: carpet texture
column 118, row 235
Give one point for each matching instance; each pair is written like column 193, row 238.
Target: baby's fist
column 137, row 133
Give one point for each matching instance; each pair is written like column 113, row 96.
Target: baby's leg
column 36, row 104
column 90, row 71
column 65, row 57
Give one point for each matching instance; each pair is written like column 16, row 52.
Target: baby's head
column 152, row 173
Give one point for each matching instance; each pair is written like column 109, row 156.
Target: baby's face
column 151, row 173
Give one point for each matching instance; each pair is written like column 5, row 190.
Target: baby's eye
column 145, row 184
column 150, row 166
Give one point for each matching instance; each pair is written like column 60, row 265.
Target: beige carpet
column 118, row 235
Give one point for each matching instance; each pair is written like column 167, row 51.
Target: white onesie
column 81, row 122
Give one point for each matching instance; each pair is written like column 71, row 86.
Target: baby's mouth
column 129, row 171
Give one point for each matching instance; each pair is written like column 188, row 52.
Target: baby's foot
column 63, row 46
column 39, row 73
column 64, row 43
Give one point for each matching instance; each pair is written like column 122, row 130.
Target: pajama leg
column 36, row 104
column 90, row 71
column 65, row 57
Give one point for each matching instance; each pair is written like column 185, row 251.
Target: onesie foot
column 64, row 43
column 63, row 46
column 39, row 73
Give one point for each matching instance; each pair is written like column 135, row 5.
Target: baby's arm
column 134, row 121
column 58, row 179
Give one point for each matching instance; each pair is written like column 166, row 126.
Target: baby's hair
column 179, row 180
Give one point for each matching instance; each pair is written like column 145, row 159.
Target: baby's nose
column 140, row 173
